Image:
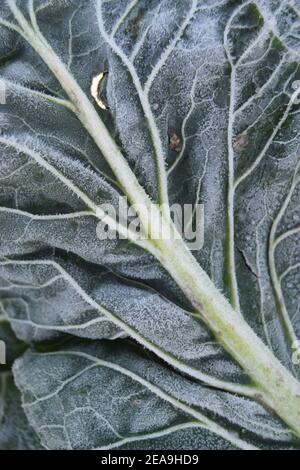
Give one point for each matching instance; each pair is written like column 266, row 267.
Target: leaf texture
column 221, row 77
column 110, row 395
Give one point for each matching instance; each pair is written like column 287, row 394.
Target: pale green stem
column 278, row 389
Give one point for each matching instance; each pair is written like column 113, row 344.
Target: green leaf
column 221, row 79
column 15, row 432
column 13, row 347
column 113, row 395
column 58, row 297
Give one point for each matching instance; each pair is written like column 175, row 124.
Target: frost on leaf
column 204, row 107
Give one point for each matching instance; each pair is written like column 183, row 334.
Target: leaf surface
column 219, row 78
column 111, row 395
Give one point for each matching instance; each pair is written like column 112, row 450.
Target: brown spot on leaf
column 241, row 142
column 137, row 401
column 175, row 142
